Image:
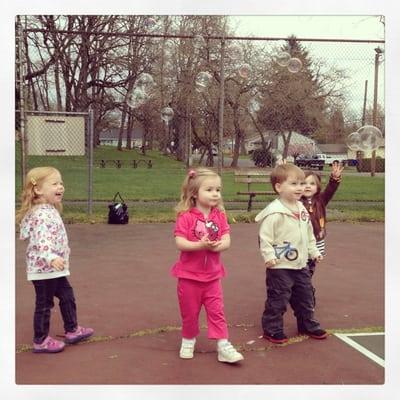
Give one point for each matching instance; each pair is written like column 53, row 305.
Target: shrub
column 262, row 158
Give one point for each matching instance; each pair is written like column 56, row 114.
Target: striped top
column 321, row 246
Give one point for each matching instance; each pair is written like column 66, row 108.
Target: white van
column 330, row 158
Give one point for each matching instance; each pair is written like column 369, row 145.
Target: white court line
column 345, row 337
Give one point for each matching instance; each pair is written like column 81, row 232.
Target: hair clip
column 192, row 173
column 33, row 181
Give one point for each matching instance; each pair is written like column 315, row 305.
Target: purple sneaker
column 79, row 334
column 49, row 345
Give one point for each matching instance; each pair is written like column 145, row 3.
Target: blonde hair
column 190, row 188
column 281, row 172
column 34, row 178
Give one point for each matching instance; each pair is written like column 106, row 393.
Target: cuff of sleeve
column 268, row 256
column 51, row 257
column 315, row 255
column 336, row 178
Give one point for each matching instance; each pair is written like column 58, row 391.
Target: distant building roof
column 113, row 133
column 333, row 148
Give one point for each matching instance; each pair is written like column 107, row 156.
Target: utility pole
column 365, row 103
column 378, row 52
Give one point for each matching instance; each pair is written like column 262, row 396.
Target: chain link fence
column 181, row 104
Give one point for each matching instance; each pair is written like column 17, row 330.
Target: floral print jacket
column 48, row 239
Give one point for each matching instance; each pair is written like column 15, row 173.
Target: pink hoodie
column 201, row 265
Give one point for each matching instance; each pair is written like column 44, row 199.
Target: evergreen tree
column 294, row 102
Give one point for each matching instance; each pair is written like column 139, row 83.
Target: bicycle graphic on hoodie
column 289, row 252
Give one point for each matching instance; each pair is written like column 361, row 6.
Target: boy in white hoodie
column 286, row 243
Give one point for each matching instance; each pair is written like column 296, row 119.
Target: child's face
column 311, row 186
column 209, row 194
column 291, row 189
column 51, row 191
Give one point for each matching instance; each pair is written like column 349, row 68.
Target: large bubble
column 167, row 113
column 370, row 137
column 137, row 97
column 353, row 141
column 235, row 52
column 198, row 42
column 254, row 106
column 145, row 82
column 283, row 58
column 294, row 65
column 244, row 71
column 150, row 24
column 202, row 81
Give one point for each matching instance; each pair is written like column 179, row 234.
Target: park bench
column 118, row 163
column 250, row 177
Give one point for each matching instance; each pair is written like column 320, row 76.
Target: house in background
column 342, row 150
column 110, row 136
column 339, row 150
column 299, row 144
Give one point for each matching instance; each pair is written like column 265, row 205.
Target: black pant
column 311, row 267
column 45, row 290
column 286, row 286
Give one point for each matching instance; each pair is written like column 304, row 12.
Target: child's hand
column 270, row 263
column 337, row 169
column 207, row 243
column 58, row 263
column 214, row 246
column 318, row 259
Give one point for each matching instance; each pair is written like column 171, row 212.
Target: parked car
column 331, row 158
column 304, row 161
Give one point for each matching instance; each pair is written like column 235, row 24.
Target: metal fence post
column 90, row 162
column 22, row 117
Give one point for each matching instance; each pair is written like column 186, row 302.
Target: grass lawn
column 162, row 183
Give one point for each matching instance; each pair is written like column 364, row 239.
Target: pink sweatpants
column 192, row 295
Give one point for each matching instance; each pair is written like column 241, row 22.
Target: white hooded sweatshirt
column 285, row 237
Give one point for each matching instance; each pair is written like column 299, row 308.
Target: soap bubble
column 167, row 113
column 370, row 137
column 145, row 82
column 198, row 42
column 234, row 52
column 244, row 71
column 353, row 141
column 202, row 80
column 150, row 24
column 283, row 58
column 169, row 47
column 294, row 65
column 254, row 106
column 136, row 97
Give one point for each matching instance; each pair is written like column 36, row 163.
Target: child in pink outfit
column 201, row 233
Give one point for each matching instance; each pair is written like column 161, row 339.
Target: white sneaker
column 187, row 348
column 227, row 353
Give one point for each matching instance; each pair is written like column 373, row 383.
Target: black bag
column 118, row 211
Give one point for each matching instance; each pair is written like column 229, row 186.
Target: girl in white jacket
column 47, row 258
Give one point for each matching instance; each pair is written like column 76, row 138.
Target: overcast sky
column 312, row 26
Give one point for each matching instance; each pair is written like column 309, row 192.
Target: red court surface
column 121, row 279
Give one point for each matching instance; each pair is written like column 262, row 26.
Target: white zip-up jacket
column 284, row 237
